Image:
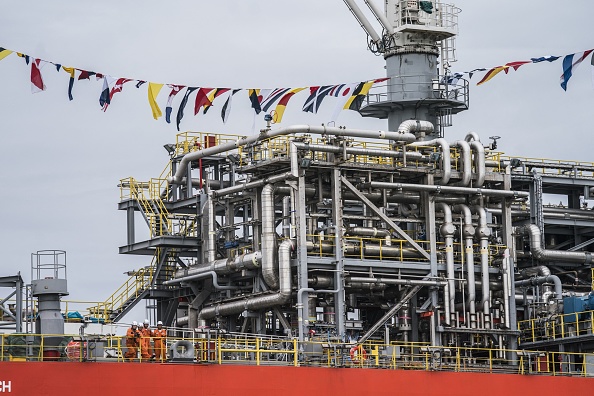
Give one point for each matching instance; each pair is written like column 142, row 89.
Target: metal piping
column 368, row 232
column 247, row 186
column 468, row 232
column 472, row 136
column 410, row 126
column 391, row 281
column 358, row 151
column 260, row 302
column 247, row 261
column 447, row 189
column 203, row 275
column 399, row 136
column 211, row 247
column 483, row 233
column 539, row 280
column 446, row 165
column 551, row 255
column 269, row 266
column 479, row 162
column 447, row 231
column 465, row 158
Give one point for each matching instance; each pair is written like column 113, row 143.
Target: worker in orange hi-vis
column 132, row 341
column 160, row 338
column 145, row 341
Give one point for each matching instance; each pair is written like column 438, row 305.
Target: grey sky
column 60, row 161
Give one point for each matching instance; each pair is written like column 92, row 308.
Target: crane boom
column 379, row 15
column 363, row 21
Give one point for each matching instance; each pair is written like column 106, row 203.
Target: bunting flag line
column 569, row 66
column 345, row 96
column 4, row 53
column 227, row 106
column 168, row 109
column 153, row 92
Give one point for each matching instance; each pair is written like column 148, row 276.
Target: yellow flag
column 4, row 53
column 153, row 92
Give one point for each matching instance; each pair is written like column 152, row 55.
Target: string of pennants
column 349, row 96
column 570, row 64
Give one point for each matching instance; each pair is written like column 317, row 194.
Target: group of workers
column 140, row 339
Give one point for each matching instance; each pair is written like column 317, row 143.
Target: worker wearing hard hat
column 160, row 337
column 132, row 341
column 145, row 340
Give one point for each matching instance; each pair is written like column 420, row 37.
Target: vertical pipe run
column 483, row 233
column 467, row 233
column 447, row 230
column 269, row 270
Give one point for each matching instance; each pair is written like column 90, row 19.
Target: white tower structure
column 417, row 41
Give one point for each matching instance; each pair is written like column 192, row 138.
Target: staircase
column 137, row 287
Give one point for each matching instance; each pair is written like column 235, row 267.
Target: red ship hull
column 90, row 379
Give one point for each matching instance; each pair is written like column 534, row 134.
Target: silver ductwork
column 264, row 301
column 465, row 162
column 541, row 254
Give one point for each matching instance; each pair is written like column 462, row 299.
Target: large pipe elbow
column 541, row 254
column 479, row 162
column 411, row 126
column 446, row 165
column 465, row 158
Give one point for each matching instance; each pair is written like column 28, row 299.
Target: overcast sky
column 60, row 161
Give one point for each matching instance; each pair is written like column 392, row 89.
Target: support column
column 340, row 298
column 430, row 229
column 301, row 256
column 506, row 221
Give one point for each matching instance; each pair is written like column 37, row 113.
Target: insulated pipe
column 466, row 159
column 468, row 232
column 541, row 254
column 358, row 151
column 247, row 186
column 479, row 162
column 269, row 267
column 379, row 15
column 247, row 261
column 260, row 302
column 447, row 231
column 410, row 126
column 472, row 136
column 287, row 217
column 399, row 136
column 368, row 232
column 392, row 281
column 539, row 280
column 446, row 165
column 447, row 189
column 203, row 275
column 483, row 233
column 211, row 247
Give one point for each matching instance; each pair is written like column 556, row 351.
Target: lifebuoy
column 358, row 353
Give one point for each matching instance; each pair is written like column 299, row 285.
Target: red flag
column 36, row 78
column 202, row 99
